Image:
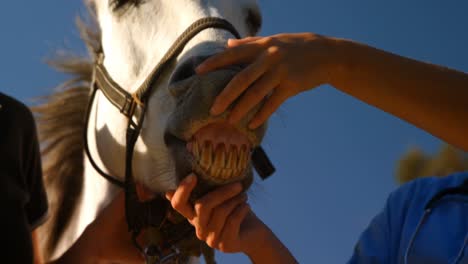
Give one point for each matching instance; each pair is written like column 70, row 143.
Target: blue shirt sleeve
column 373, row 245
column 380, row 242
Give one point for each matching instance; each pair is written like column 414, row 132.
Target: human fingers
column 180, row 198
column 271, row 105
column 236, row 42
column 240, row 83
column 205, row 205
column 230, row 56
column 219, row 217
column 232, row 228
column 254, row 95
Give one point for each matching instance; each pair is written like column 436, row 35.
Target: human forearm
column 268, row 249
column 429, row 96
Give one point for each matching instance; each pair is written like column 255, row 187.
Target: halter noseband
column 140, row 215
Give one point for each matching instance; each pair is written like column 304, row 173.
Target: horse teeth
column 221, row 174
column 231, row 158
column 220, row 156
column 213, row 172
column 228, row 174
column 219, row 161
column 206, row 156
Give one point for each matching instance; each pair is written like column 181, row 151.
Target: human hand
column 279, row 67
column 222, row 218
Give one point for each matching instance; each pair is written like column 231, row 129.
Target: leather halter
column 140, row 215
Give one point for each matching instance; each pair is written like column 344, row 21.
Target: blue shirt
column 405, row 227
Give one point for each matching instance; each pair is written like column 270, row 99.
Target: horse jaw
column 134, row 40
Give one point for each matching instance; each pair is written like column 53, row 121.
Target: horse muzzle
column 218, row 152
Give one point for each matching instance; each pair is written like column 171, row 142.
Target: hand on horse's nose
column 186, row 69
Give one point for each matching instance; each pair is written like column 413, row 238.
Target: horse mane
column 60, row 118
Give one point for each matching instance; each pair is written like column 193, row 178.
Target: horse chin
column 211, row 161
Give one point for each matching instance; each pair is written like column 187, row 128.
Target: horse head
column 177, row 136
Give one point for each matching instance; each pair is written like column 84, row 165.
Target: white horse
column 133, row 36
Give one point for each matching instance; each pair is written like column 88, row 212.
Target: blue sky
column 335, row 156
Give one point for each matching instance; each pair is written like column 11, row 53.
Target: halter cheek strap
column 126, row 103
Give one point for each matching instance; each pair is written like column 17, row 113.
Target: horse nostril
column 186, row 69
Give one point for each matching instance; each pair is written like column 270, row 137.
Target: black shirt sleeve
column 22, row 196
column 36, row 205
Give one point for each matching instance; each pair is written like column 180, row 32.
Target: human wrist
column 341, row 60
column 326, row 56
column 268, row 249
column 350, row 64
column 258, row 242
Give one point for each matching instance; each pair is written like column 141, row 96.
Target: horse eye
column 118, row 4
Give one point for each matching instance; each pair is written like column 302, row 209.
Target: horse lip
column 188, row 134
column 170, row 139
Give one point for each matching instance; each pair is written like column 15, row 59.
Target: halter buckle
column 133, row 105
